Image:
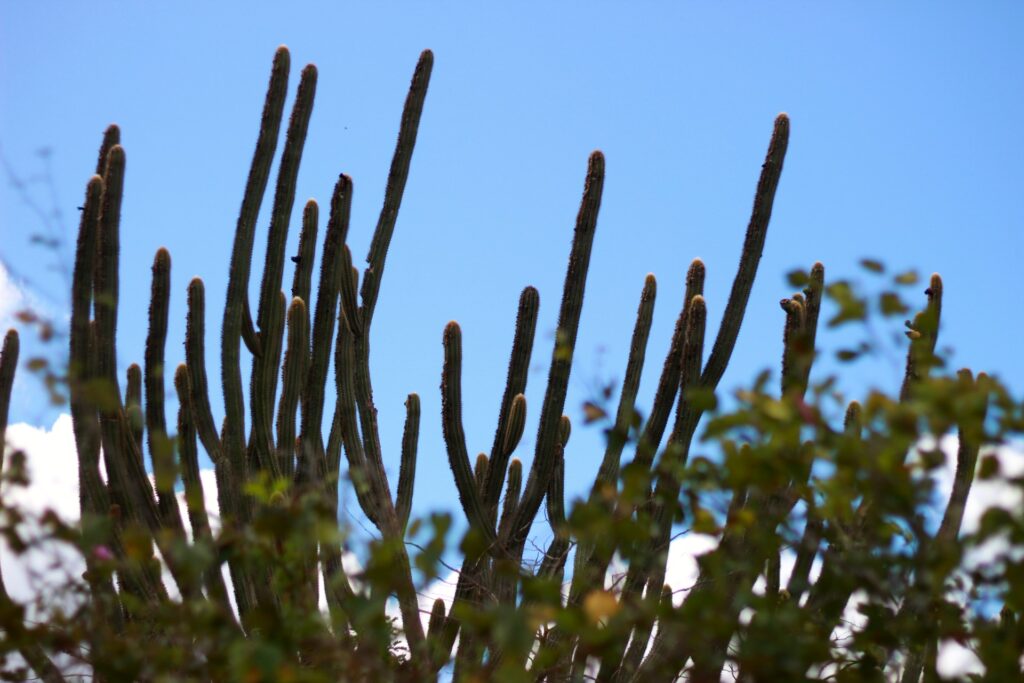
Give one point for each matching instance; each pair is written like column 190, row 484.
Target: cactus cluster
column 279, row 435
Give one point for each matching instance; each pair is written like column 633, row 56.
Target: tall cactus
column 292, row 342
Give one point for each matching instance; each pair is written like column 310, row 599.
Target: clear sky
column 906, row 145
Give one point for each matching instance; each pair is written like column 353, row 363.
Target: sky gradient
column 905, row 146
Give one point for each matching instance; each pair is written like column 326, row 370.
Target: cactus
column 291, row 345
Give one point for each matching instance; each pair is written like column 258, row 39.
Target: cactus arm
column 111, row 137
column 435, row 634
column 311, row 457
column 513, row 487
column 753, row 244
column 236, row 304
column 346, row 409
column 349, row 287
column 93, row 494
column 812, row 307
column 810, row 541
column 8, row 365
column 515, row 385
column 792, row 342
column 552, row 566
column 561, row 357
column 624, row 414
column 923, row 333
column 94, row 497
column 249, row 334
column 261, row 454
column 293, row 374
column 515, row 425
column 337, row 588
column 668, row 383
column 195, row 498
column 556, row 489
column 455, row 437
column 269, row 315
column 407, row 471
column 133, row 405
column 303, row 275
column 199, row 396
column 969, row 430
column 106, row 277
column 336, row 585
column 397, row 176
column 772, row 575
column 371, row 434
column 128, row 481
column 33, row 653
column 229, row 479
column 160, row 448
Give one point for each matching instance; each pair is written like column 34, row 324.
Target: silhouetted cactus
column 291, row 345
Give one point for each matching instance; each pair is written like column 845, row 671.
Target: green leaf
column 798, row 278
column 891, row 304
column 907, row 277
column 872, row 265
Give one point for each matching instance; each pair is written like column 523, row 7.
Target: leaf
column 593, row 412
column 851, row 307
column 701, row 398
column 891, row 304
column 599, row 605
column 798, row 278
column 907, row 277
column 872, row 265
column 989, row 468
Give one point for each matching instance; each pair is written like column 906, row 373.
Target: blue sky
column 905, row 146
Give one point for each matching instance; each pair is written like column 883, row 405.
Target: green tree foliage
column 843, row 489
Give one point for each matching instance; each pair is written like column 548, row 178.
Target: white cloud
column 681, row 571
column 52, row 464
column 996, row 492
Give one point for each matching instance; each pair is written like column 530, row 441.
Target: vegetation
column 849, row 503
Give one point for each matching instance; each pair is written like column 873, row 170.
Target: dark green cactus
column 291, row 343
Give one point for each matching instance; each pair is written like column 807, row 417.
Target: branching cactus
column 277, row 454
